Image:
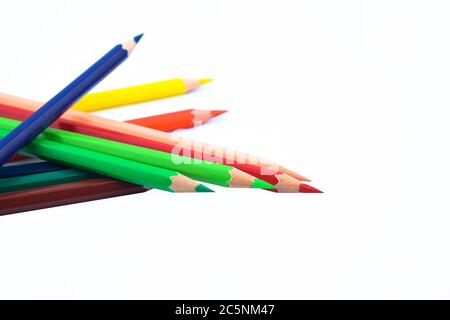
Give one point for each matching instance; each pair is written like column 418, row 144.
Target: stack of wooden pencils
column 51, row 155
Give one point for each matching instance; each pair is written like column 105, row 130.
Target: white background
column 352, row 94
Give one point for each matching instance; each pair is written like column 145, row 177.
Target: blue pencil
column 19, row 168
column 55, row 107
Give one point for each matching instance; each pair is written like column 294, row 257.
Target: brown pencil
column 63, row 194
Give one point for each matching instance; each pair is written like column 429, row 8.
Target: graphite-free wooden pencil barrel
column 111, row 166
column 219, row 174
column 82, row 122
column 66, row 193
column 55, row 107
column 136, row 94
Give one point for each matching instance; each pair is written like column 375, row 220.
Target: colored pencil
column 219, row 174
column 36, row 180
column 136, row 94
column 82, row 122
column 182, row 119
column 171, row 121
column 114, row 167
column 63, row 194
column 56, row 106
column 21, row 168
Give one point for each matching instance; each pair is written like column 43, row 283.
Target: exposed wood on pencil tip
column 192, row 84
column 130, row 44
column 293, row 174
column 241, row 179
column 287, row 184
column 201, row 115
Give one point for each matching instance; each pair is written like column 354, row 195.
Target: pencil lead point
column 260, row 184
column 216, row 113
column 306, row 188
column 138, row 37
column 203, row 188
column 204, row 80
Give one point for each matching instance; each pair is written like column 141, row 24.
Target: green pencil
column 111, row 166
column 45, row 179
column 209, row 172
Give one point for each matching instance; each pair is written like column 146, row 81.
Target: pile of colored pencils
column 51, row 155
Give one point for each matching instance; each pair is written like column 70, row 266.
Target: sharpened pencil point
column 138, row 37
column 260, row 184
column 203, row 188
column 204, row 80
column 216, row 113
column 306, row 188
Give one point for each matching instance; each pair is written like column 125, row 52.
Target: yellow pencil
column 136, row 94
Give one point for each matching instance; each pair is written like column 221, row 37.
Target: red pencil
column 177, row 120
column 63, row 194
column 183, row 119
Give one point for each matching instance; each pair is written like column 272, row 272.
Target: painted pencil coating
column 56, row 106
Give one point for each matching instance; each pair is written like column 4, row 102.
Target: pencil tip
column 203, row 188
column 216, row 113
column 204, row 80
column 306, row 188
column 260, row 184
column 138, row 37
